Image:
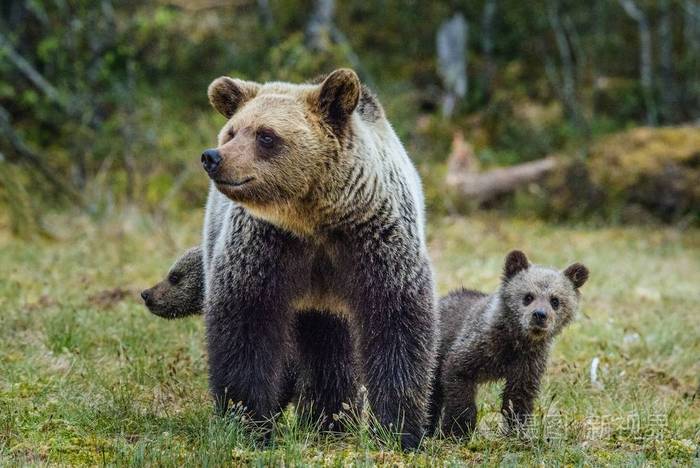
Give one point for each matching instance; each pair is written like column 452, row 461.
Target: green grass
column 88, row 376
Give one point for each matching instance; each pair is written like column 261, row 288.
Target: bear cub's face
column 541, row 301
column 180, row 293
column 280, row 138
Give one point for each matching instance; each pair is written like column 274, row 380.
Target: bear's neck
column 346, row 197
column 289, row 216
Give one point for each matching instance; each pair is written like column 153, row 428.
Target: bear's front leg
column 395, row 314
column 519, row 395
column 247, row 356
column 326, row 371
column 249, row 325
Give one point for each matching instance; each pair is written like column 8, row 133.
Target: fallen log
column 466, row 179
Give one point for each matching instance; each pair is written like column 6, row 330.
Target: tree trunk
column 567, row 81
column 691, row 36
column 318, row 30
column 487, row 16
column 646, row 71
column 451, row 44
column 265, row 13
column 667, row 86
column 321, row 33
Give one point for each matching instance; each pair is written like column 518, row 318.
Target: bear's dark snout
column 146, row 295
column 539, row 316
column 211, row 159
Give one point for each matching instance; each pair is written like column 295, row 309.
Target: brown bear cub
column 182, row 291
column 505, row 335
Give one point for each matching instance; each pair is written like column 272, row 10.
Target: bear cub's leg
column 518, row 399
column 459, row 390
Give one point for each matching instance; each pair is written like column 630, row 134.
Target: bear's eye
column 266, row 139
column 229, row 135
column 555, row 302
column 528, row 298
column 174, row 278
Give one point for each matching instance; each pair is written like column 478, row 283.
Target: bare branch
column 22, row 151
column 196, row 6
column 31, row 73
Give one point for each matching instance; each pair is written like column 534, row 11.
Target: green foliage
column 130, row 115
column 292, row 60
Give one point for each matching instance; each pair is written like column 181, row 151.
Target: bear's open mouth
column 234, row 183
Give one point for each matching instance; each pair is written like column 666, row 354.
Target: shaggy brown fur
column 315, row 206
column 506, row 335
column 180, row 295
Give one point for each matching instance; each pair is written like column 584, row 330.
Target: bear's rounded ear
column 516, row 261
column 338, row 96
column 227, row 95
column 577, row 273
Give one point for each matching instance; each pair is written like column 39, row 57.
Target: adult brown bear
column 314, row 205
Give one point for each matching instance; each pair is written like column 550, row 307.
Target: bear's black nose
column 539, row 315
column 145, row 295
column 211, row 159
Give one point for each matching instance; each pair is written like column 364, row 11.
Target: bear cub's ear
column 516, row 261
column 338, row 96
column 227, row 95
column 577, row 273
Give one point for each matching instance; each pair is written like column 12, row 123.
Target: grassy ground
column 88, row 376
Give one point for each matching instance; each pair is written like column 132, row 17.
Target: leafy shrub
column 634, row 174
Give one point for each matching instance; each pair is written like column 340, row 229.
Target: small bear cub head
column 540, row 301
column 180, row 293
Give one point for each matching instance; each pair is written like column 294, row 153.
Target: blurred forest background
column 593, row 107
